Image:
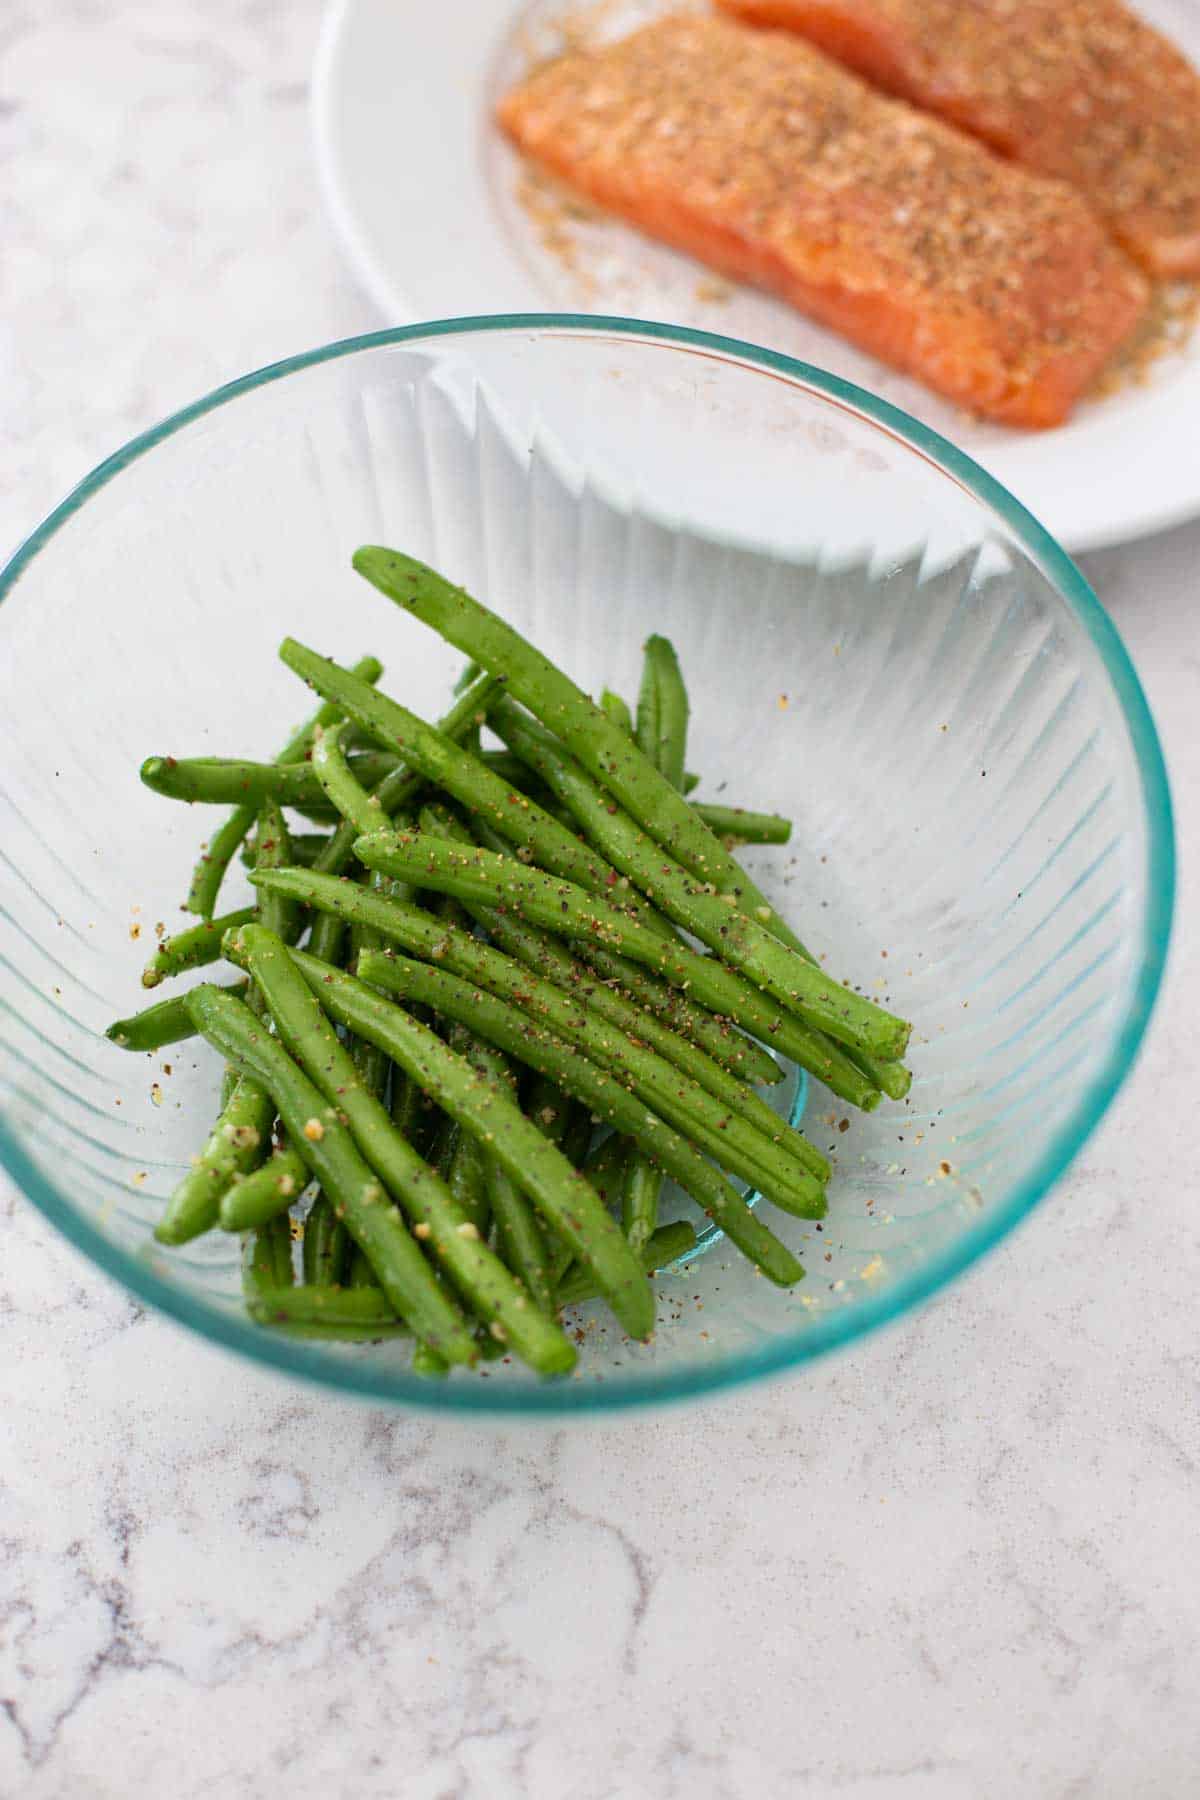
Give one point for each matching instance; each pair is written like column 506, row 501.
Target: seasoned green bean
column 518, row 1037
column 451, row 1236
column 167, row 1022
column 667, row 1245
column 617, row 711
column 538, row 1166
column 365, row 1310
column 641, row 1189
column 743, row 942
column 222, row 846
column 267, row 1261
column 711, row 1032
column 399, row 789
column 265, row 1193
column 325, row 1250
column 218, row 780
column 662, row 713
column 519, row 820
column 215, row 857
column 746, row 826
column 483, row 877
column 315, row 1128
column 548, row 957
column 277, row 912
column 598, row 742
column 778, row 1162
column 306, row 846
column 238, row 1142
column 192, row 949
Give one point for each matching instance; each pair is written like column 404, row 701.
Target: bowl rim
column 370, row 1381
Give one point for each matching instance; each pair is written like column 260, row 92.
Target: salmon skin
column 1080, row 89
column 755, row 153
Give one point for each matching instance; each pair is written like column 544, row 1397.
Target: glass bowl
column 879, row 641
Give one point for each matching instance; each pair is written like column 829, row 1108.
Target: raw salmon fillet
column 755, row 153
column 1081, row 89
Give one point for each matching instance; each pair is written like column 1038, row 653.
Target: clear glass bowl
column 879, row 641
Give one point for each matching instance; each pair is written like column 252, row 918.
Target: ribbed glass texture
column 878, row 641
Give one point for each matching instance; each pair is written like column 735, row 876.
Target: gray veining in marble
column 958, row 1564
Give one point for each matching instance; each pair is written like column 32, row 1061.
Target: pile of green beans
column 435, row 1023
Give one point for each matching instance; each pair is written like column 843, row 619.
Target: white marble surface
column 960, row 1563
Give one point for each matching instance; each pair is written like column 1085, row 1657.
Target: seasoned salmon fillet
column 1081, row 89
column 755, row 153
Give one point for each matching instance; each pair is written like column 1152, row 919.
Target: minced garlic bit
column 467, row 1229
column 243, row 1136
column 287, row 1185
column 423, row 1231
column 156, row 1094
column 314, row 1131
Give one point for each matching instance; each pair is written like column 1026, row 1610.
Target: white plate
column 427, row 198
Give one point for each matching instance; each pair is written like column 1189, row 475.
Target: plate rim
column 1104, row 531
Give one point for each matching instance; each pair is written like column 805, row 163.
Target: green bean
column 340, row 785
column 617, row 711
column 667, row 1245
column 428, row 1363
column 167, row 1022
column 588, row 732
column 362, row 1275
column 238, row 1142
column 552, row 1111
column 519, row 820
column 192, row 949
column 842, row 1070
column 605, row 1169
column 327, row 1146
column 538, row 1166
column 662, row 713
column 466, row 1182
column 481, row 876
column 366, row 1311
column 469, row 673
column 361, row 809
column 215, row 857
column 547, row 957
column 218, row 780
column 518, row 1037
column 306, row 847
column 325, row 1249
column 222, row 846
column 661, row 729
column 578, row 1135
column 519, row 1236
column 267, row 1260
column 738, row 940
column 717, row 1036
column 401, row 787
column 278, row 913
column 598, row 742
column 746, row 826
column 452, row 1237
column 508, row 767
column 777, row 1162
column 641, row 1190
column 691, row 782
column 265, row 1193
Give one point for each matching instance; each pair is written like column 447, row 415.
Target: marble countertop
column 958, row 1563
